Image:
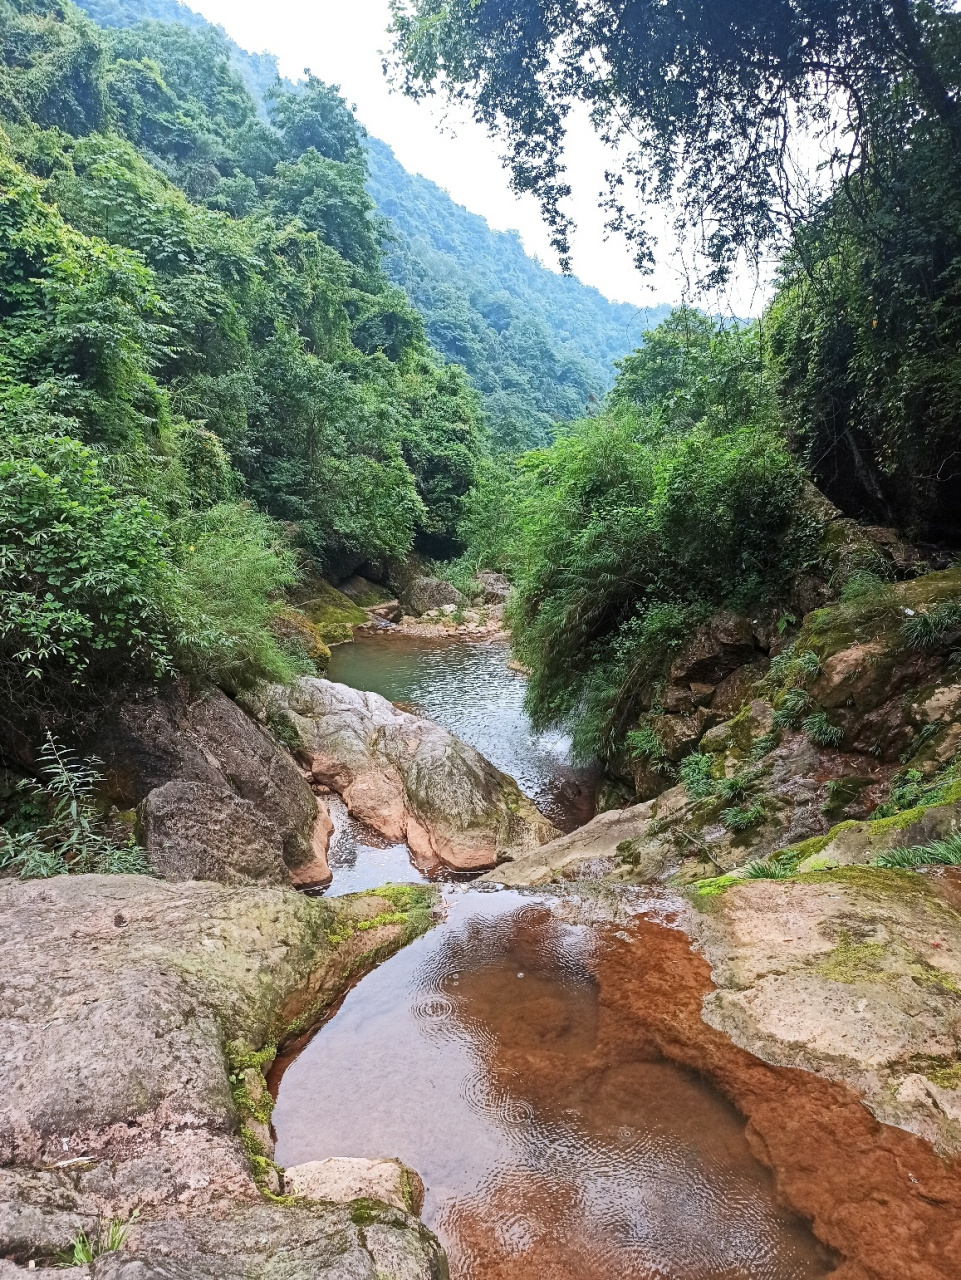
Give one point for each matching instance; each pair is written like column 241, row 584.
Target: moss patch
column 332, row 613
column 715, row 886
column 945, row 1077
column 854, row 962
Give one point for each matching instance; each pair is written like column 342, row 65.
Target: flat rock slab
column 342, row 1179
column 131, row 1011
column 592, row 851
column 853, row 974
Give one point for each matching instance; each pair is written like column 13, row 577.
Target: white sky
column 341, row 42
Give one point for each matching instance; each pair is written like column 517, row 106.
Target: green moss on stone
column 946, row 1077
column 715, row 886
column 854, row 962
column 897, row 822
column 334, row 614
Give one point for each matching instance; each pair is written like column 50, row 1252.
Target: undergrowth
column 72, row 835
column 945, row 853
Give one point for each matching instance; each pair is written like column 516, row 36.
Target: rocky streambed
column 624, row 1064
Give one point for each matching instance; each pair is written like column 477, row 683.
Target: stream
column 553, row 1144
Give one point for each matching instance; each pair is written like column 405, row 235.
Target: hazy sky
column 341, row 42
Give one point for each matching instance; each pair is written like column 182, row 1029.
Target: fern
column 793, row 705
column 696, row 776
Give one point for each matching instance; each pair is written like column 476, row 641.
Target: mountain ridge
column 539, row 346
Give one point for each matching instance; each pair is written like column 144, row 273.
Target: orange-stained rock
column 408, row 778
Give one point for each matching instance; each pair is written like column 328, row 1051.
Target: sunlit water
column 480, row 1056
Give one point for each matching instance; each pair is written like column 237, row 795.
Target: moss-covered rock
column 333, row 614
column 143, row 1050
column 852, row 973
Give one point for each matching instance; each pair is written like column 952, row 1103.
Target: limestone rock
column 421, row 594
column 495, row 586
column 341, row 1179
column 407, row 777
column 860, row 843
column 854, row 975
column 119, row 996
column 363, row 592
column 389, row 611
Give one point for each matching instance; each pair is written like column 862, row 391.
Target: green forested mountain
column 207, row 383
column 538, row 346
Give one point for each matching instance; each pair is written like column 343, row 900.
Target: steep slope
column 537, row 345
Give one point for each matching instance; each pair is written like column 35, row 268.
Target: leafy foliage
column 705, row 102
column 632, row 528
column 196, row 341
column 73, row 836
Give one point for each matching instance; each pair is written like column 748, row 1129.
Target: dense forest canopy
column 203, row 370
column 539, row 347
column 712, row 105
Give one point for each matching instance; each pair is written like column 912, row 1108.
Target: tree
column 706, row 97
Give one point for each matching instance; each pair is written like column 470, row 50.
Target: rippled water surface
column 471, row 690
column 483, row 1056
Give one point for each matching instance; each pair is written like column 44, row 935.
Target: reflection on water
column 470, row 690
column 360, row 858
column 553, row 1148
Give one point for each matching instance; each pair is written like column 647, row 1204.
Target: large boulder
column 494, row 586
column 422, row 594
column 217, row 797
column 138, row 1018
column 852, row 974
column 831, row 1024
column 407, row 777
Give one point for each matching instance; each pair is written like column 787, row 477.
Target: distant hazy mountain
column 539, row 346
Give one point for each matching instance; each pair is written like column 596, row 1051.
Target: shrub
column 232, row 567
column 82, row 570
column 72, row 836
column 628, row 539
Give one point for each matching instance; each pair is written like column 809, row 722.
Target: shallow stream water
column 554, row 1143
column 551, row 1150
